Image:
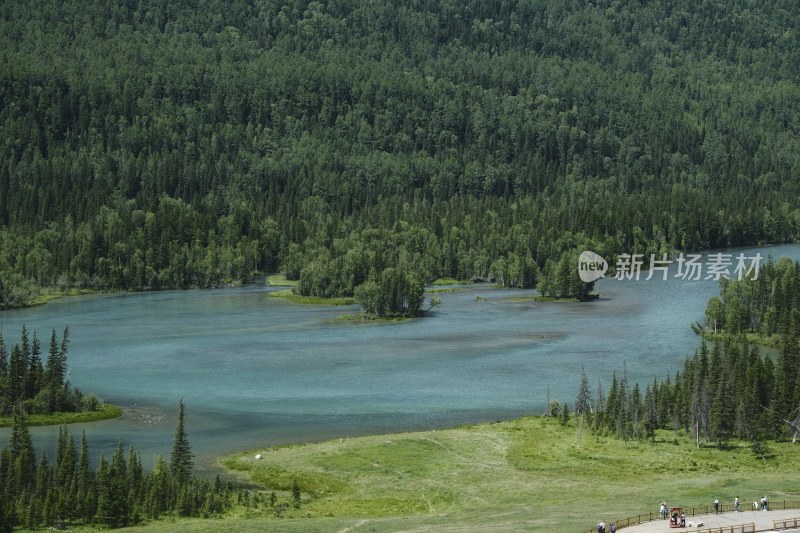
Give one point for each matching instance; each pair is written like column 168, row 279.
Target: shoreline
column 105, row 412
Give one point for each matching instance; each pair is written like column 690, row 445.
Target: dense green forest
column 150, row 145
column 116, row 493
column 68, row 489
column 730, row 391
column 765, row 306
column 37, row 386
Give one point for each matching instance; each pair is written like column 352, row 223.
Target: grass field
column 524, row 475
column 451, row 281
column 280, row 280
column 530, row 474
column 313, row 300
column 773, row 341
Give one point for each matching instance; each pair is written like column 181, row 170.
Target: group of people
column 601, row 527
column 664, row 510
column 764, row 505
column 680, row 519
column 676, row 519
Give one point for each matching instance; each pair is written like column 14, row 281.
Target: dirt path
column 762, row 520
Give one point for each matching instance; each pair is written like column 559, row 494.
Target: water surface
column 257, row 371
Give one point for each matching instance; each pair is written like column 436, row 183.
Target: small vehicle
column 677, row 518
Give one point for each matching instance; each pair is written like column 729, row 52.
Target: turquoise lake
column 257, row 371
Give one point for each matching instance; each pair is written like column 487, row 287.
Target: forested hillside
column 730, row 391
column 149, row 144
column 765, row 306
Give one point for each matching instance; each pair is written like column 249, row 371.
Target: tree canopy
column 148, row 145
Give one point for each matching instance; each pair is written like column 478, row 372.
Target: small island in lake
column 42, row 390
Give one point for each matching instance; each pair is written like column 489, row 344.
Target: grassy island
column 103, row 412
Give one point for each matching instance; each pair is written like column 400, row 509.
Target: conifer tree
column 600, row 405
column 42, row 484
column 55, row 369
column 181, row 461
column 16, row 377
column 33, row 376
column 296, row 495
column 651, row 414
column 85, row 477
column 67, row 460
column 22, row 453
column 583, row 401
column 721, row 410
column 3, row 359
column 104, row 511
column 635, row 411
column 119, row 501
column 5, row 393
column 6, row 525
column 612, row 403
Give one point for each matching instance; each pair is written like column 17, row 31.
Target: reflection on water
column 258, row 371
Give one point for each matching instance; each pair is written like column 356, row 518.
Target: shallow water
column 257, row 371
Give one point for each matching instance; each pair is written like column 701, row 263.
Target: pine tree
column 22, row 453
column 160, row 495
column 651, row 414
column 118, row 489
column 721, row 412
column 33, row 376
column 33, row 513
column 16, row 377
column 612, row 410
column 6, row 475
column 66, row 460
column 3, row 357
column 583, row 402
column 55, row 369
column 600, row 404
column 635, row 411
column 85, row 477
column 296, row 495
column 181, row 461
column 42, row 484
column 623, row 420
column 6, row 525
column 135, row 471
column 104, row 511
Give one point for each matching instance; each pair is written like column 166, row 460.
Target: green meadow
column 530, row 474
column 312, row 300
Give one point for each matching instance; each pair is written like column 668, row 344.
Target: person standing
column 736, row 505
column 663, row 510
column 601, row 527
column 613, row 528
column 716, row 505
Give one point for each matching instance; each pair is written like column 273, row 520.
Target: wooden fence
column 701, row 510
column 739, row 528
column 786, row 523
